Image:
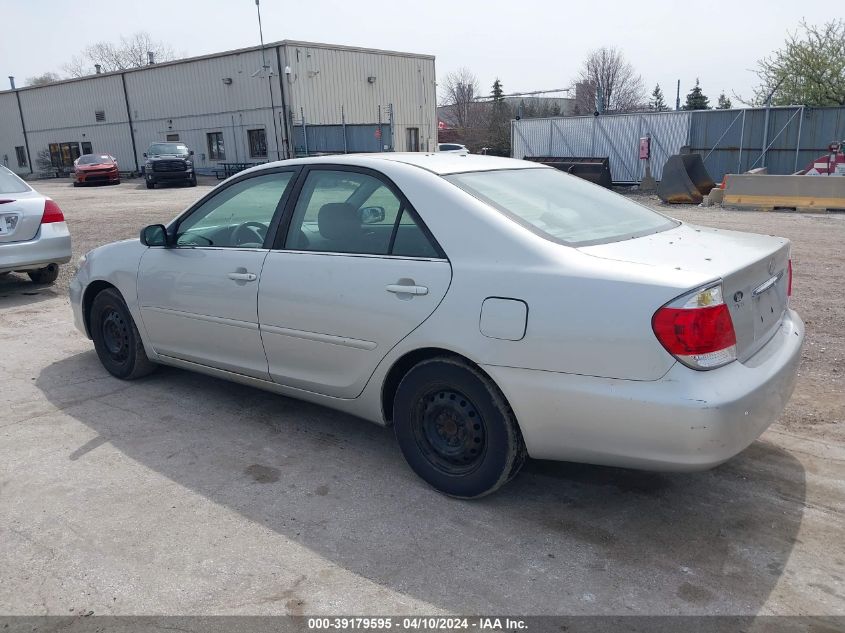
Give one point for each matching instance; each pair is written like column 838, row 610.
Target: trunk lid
column 753, row 269
column 20, row 216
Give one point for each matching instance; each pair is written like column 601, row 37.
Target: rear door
column 21, row 209
column 354, row 273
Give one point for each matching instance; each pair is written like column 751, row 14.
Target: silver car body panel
column 585, row 383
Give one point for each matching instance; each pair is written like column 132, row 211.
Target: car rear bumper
column 51, row 245
column 687, row 420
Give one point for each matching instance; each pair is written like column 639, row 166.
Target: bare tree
column 460, row 94
column 43, row 79
column 618, row 86
column 129, row 52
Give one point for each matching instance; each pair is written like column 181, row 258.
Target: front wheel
column 192, row 182
column 116, row 338
column 151, row 185
column 455, row 428
column 46, row 275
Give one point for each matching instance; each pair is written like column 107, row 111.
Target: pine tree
column 499, row 121
column 696, row 99
column 724, row 103
column 657, row 103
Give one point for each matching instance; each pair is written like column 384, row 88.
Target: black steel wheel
column 455, row 428
column 116, row 339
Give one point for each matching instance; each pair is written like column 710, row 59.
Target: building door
column 412, row 139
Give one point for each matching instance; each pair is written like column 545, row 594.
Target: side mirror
column 154, row 235
column 191, row 153
column 145, row 154
column 372, row 215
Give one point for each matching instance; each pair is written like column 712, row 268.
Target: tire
column 116, row 338
column 455, row 429
column 46, row 275
column 151, row 185
column 192, row 182
column 75, row 184
column 116, row 182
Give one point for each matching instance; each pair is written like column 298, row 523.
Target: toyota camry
column 488, row 309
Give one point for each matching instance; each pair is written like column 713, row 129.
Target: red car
column 94, row 168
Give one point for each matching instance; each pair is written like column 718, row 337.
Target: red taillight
column 697, row 329
column 789, row 279
column 52, row 213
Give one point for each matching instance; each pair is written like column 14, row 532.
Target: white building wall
column 11, row 133
column 195, row 97
column 324, row 79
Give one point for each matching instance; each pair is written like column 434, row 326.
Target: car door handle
column 242, row 276
column 401, row 289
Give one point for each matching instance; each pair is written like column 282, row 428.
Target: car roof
column 440, row 163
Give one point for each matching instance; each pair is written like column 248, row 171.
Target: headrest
column 338, row 221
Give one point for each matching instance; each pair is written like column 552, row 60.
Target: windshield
column 9, row 183
column 93, row 159
column 560, row 207
column 168, row 148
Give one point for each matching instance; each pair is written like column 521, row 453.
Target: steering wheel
column 250, row 233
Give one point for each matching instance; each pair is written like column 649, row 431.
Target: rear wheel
column 46, row 275
column 455, row 428
column 116, row 338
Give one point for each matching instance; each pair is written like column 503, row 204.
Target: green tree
column 657, row 103
column 499, row 138
column 696, row 99
column 809, row 69
column 724, row 103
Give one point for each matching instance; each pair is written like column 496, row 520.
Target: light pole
column 267, row 71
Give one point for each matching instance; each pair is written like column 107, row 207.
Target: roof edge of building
column 235, row 51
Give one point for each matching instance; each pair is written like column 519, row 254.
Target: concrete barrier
column 804, row 193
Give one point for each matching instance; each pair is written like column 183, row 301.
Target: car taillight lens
column 697, row 329
column 52, row 213
column 789, row 279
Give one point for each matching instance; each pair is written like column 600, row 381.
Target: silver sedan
column 488, row 309
column 33, row 235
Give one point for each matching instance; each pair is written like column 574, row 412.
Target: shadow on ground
column 561, row 538
column 16, row 290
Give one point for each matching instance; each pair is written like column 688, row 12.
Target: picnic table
column 224, row 170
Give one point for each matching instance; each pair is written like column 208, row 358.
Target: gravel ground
column 184, row 494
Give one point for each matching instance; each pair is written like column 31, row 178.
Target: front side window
column 237, row 217
column 560, row 207
column 351, row 212
column 215, row 146
column 257, row 143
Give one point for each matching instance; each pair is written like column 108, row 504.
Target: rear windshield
column 93, row 159
column 168, row 148
column 9, row 183
column 560, row 207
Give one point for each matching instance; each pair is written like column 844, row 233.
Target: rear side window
column 9, row 183
column 560, row 207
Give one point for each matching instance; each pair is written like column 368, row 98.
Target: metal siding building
column 785, row 139
column 320, row 98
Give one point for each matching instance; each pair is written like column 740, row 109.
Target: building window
column 215, row 146
column 21, row 152
column 257, row 143
column 86, row 148
column 100, row 115
column 172, row 138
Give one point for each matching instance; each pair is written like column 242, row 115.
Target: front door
column 199, row 298
column 355, row 274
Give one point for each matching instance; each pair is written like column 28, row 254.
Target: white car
column 34, row 237
column 487, row 308
column 453, row 148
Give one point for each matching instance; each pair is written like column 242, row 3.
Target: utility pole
column 267, row 71
column 677, row 94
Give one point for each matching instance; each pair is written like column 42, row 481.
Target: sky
column 529, row 45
